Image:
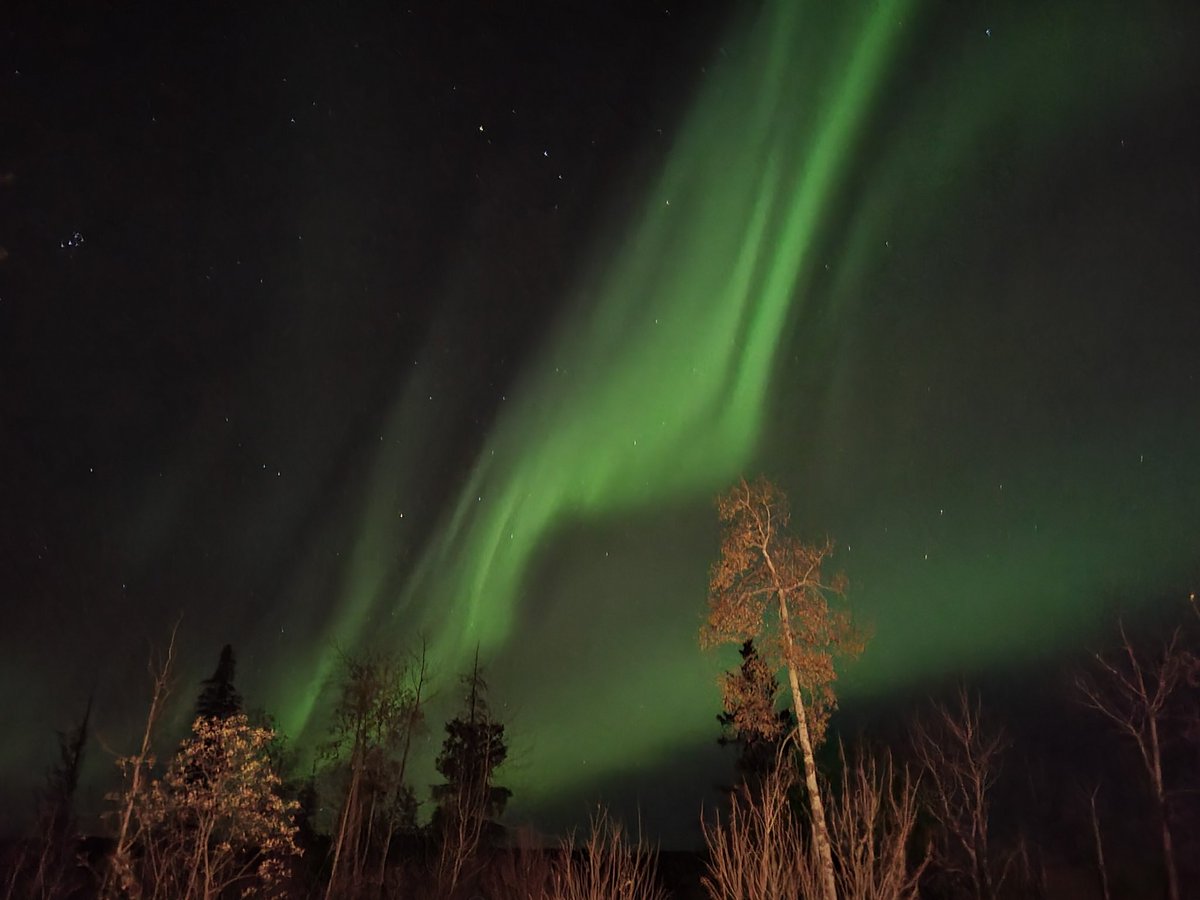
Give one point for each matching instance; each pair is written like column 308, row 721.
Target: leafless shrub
column 871, row 823
column 608, row 866
column 523, row 871
column 762, row 852
column 960, row 760
column 759, row 851
column 1131, row 687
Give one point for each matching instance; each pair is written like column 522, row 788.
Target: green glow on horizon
column 663, row 383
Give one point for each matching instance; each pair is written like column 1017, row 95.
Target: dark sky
column 332, row 324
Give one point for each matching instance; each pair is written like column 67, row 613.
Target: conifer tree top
column 218, row 698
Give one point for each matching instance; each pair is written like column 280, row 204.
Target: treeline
column 946, row 800
column 218, row 818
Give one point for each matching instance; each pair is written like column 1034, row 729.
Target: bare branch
column 960, row 758
column 1131, row 688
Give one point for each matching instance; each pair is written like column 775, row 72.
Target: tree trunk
column 1160, row 804
column 1099, row 847
column 349, row 809
column 360, row 863
column 816, row 806
column 383, row 857
column 986, row 891
column 121, row 859
column 1169, row 855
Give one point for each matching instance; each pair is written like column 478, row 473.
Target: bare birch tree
column 1098, row 840
column 960, row 758
column 1131, row 688
column 378, row 714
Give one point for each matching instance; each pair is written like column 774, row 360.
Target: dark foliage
column 218, row 698
column 473, row 749
column 753, row 685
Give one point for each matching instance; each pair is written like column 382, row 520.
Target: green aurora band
column 731, row 333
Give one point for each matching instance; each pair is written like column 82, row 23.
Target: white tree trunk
column 815, row 804
column 1160, row 804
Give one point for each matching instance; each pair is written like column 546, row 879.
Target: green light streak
column 668, row 377
column 659, row 392
column 656, row 391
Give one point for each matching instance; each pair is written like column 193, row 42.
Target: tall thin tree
column 769, row 587
column 469, row 802
column 119, row 876
column 378, row 712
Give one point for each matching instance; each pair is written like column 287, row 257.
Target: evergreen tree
column 218, row 698
column 474, row 748
column 751, row 693
column 52, row 870
column 62, row 780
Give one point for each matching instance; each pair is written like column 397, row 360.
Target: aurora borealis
column 393, row 346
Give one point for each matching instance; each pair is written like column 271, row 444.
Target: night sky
column 335, row 325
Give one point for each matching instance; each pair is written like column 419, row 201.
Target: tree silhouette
column 218, row 698
column 378, row 714
column 468, row 802
column 1132, row 687
column 45, row 865
column 768, row 587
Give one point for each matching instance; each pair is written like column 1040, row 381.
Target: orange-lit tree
column 215, row 823
column 769, row 587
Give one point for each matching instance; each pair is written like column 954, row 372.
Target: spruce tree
column 218, row 698
column 752, row 720
column 474, row 748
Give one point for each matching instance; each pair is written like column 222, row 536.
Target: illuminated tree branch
column 768, row 587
